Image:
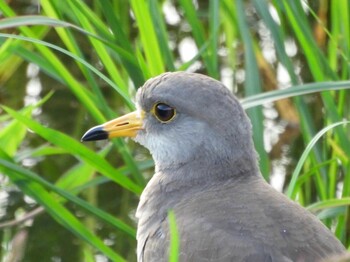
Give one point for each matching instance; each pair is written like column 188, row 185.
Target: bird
column 206, row 172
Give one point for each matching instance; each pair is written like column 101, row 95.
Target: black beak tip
column 95, row 133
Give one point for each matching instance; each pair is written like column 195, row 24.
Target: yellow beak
column 124, row 126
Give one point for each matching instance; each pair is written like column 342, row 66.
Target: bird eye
column 163, row 112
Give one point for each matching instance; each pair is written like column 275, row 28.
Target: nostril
column 123, row 124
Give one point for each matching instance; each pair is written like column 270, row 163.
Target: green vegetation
column 100, row 53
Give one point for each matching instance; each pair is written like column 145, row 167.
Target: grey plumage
column 206, row 170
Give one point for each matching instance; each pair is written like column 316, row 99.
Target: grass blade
column 253, row 86
column 56, row 210
column 77, row 149
column 291, row 188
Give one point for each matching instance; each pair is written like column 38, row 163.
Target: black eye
column 163, row 112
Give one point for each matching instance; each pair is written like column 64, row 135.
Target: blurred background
column 66, row 66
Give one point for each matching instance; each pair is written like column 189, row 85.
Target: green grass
column 101, row 54
column 174, row 238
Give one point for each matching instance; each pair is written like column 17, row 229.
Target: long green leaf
column 174, row 238
column 148, row 37
column 92, row 68
column 55, row 209
column 291, row 187
column 271, row 96
column 329, row 203
column 33, row 178
column 76, row 148
column 253, row 86
column 27, row 20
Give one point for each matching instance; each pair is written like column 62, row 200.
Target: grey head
column 193, row 118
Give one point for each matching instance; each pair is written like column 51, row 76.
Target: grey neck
column 201, row 171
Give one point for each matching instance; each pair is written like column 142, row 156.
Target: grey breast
column 209, row 176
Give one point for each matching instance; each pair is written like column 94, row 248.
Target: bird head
column 181, row 117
